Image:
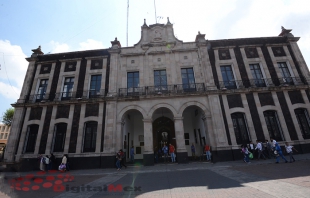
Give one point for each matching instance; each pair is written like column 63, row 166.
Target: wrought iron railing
column 290, row 81
column 233, row 84
column 193, row 87
column 65, row 96
column 265, row 82
column 37, row 98
column 94, row 93
column 133, row 91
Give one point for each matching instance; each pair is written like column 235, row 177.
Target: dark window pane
column 90, row 137
column 240, row 128
column 59, row 137
column 32, row 137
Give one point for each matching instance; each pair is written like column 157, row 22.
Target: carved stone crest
column 157, row 35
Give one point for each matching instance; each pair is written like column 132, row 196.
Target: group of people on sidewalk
column 266, row 150
column 48, row 162
column 206, row 150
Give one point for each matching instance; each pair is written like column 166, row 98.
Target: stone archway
column 163, row 133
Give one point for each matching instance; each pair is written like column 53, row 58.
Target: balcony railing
column 162, row 89
column 37, row 98
column 289, row 81
column 65, row 96
column 133, row 91
column 166, row 89
column 265, row 82
column 94, row 93
column 233, row 84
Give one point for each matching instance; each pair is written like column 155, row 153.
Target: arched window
column 31, row 138
column 240, row 128
column 90, row 136
column 59, row 137
column 304, row 122
column 273, row 125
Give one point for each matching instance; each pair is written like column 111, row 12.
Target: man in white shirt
column 259, row 149
column 289, row 150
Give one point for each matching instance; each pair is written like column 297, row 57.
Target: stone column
column 148, row 155
column 182, row 155
column 13, row 141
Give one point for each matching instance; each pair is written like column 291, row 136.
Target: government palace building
column 223, row 93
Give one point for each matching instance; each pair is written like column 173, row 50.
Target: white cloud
column 10, row 92
column 58, row 48
column 90, row 44
column 13, row 69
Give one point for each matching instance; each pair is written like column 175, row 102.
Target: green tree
column 8, row 116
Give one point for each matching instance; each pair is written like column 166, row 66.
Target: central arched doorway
column 163, row 131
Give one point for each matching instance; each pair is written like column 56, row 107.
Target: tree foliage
column 8, row 116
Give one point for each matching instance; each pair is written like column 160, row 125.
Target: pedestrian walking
column 132, row 154
column 289, row 150
column 63, row 165
column 208, row 152
column 52, row 161
column 46, row 163
column 118, row 160
column 68, row 163
column 246, row 153
column 193, row 151
column 165, row 152
column 123, row 158
column 251, row 147
column 41, row 159
column 171, row 151
column 278, row 153
column 269, row 149
column 259, row 149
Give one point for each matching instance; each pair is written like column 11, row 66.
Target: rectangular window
column 228, row 77
column 133, row 83
column 68, row 88
column 257, row 74
column 31, row 138
column 90, row 137
column 304, row 122
column 95, row 86
column 240, row 128
column 3, row 127
column 160, row 80
column 6, row 136
column 286, row 75
column 59, row 137
column 41, row 90
column 1, row 135
column 188, row 80
column 273, row 125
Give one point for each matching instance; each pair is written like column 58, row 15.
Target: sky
column 75, row 25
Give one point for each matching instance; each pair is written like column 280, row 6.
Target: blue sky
column 74, row 25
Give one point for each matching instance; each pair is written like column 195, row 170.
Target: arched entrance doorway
column 163, row 130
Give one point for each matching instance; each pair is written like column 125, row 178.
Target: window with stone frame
column 1, row 135
column 286, row 75
column 303, row 121
column 31, row 138
column 6, row 136
column 228, row 77
column 273, row 125
column 95, row 86
column 257, row 74
column 41, row 89
column 90, row 136
column 240, row 128
column 67, row 91
column 59, row 137
column 133, row 82
column 188, row 79
column 160, row 80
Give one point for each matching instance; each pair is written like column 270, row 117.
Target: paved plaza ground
column 261, row 178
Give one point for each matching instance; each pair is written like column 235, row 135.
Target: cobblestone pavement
column 198, row 179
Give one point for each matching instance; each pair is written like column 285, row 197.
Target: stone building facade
column 90, row 104
column 4, row 134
